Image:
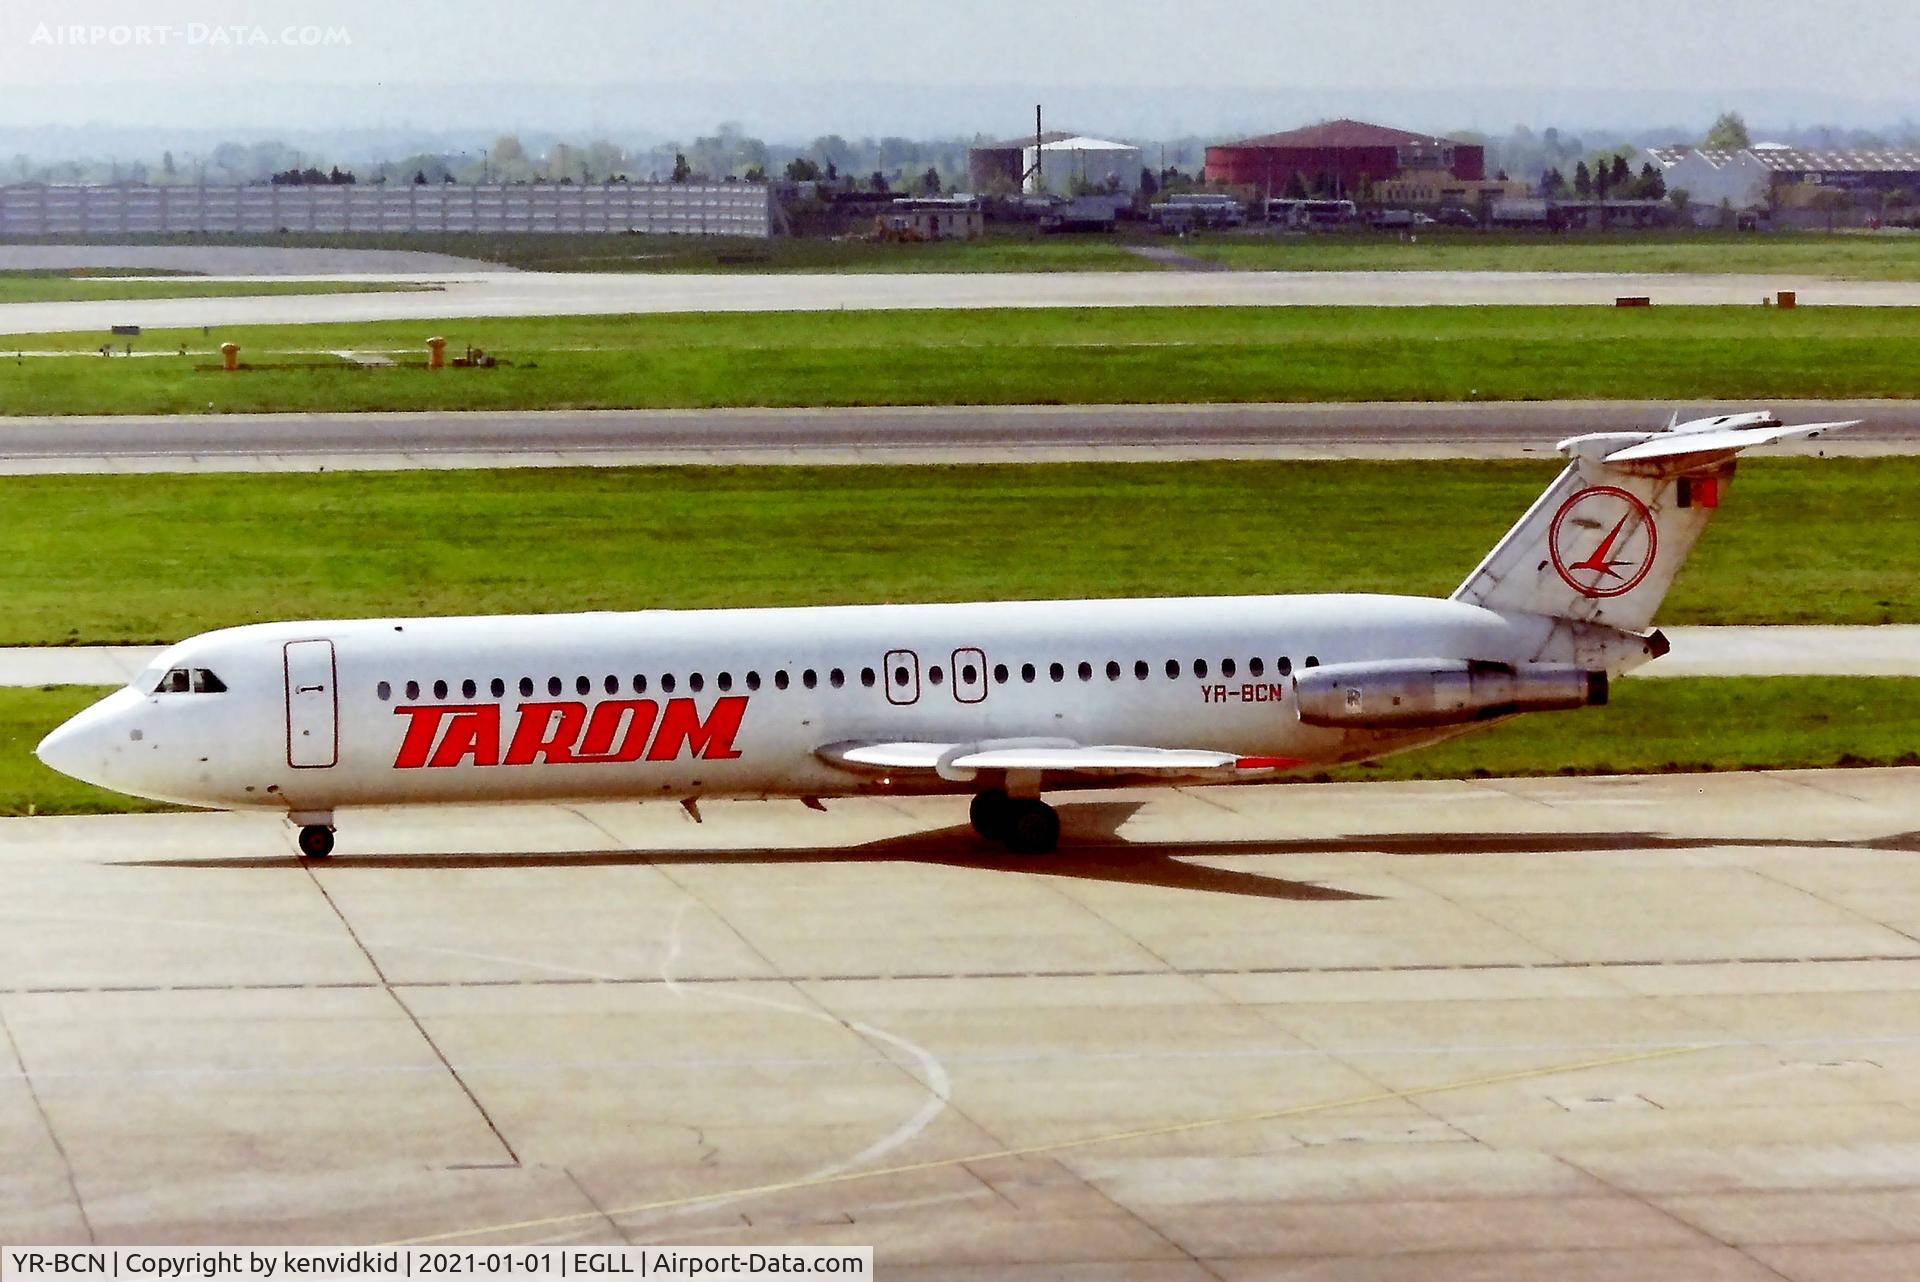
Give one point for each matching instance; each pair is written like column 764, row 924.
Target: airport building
column 1753, row 177
column 1062, row 163
column 1341, row 157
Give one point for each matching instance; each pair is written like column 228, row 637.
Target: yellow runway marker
column 1056, row 1146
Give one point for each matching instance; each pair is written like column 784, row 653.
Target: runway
column 1595, row 1028
column 906, row 434
column 496, row 293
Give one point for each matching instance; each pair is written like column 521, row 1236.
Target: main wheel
column 1033, row 827
column 989, row 813
column 316, row 841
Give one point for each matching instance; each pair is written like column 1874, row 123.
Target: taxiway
column 1593, row 1028
column 898, row 435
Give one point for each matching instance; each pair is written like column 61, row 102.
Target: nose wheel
column 316, row 841
column 1025, row 825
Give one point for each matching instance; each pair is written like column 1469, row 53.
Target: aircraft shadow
column 1091, row 851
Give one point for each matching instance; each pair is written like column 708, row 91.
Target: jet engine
column 1408, row 693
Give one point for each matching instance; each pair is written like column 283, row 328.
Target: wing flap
column 960, row 762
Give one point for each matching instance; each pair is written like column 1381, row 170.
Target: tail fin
column 1605, row 541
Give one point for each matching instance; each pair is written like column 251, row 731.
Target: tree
column 1553, row 182
column 166, row 163
column 802, row 170
column 1653, row 183
column 1729, row 133
column 878, row 182
column 1680, row 198
column 755, row 174
column 930, row 181
column 419, row 177
column 1582, row 180
column 1149, row 185
column 1618, row 175
column 681, row 169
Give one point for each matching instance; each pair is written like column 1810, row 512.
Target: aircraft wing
column 1720, row 440
column 961, row 762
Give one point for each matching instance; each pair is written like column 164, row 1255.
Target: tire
column 316, row 841
column 989, row 813
column 1033, row 828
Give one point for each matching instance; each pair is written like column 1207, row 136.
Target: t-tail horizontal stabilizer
column 1604, row 543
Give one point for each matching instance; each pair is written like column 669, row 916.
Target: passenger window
column 526, row 687
column 1226, row 667
column 581, row 685
column 935, row 675
column 553, row 686
column 384, row 691
column 866, row 677
column 468, row 689
column 1140, row 669
column 666, row 682
column 1057, row 672
column 1199, row 667
column 1256, row 665
column 1000, row 673
column 809, row 679
column 1285, row 666
column 1313, row 661
column 413, row 690
column 836, row 678
column 753, row 680
column 969, row 674
column 1113, row 670
column 204, row 682
column 696, row 682
column 639, row 683
column 498, row 688
column 1086, row 670
column 439, row 689
column 780, row 679
column 611, row 685
column 1026, row 672
column 1173, row 669
column 724, row 680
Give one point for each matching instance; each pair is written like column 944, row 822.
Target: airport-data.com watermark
column 187, row 35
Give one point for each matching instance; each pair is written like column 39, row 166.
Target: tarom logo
column 1612, row 535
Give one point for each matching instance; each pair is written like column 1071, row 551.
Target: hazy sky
column 191, row 56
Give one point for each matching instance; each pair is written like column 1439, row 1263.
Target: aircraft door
column 969, row 675
column 903, row 677
column 313, row 705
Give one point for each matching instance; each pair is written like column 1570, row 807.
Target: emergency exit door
column 313, row 705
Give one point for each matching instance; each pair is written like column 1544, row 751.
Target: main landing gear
column 1025, row 825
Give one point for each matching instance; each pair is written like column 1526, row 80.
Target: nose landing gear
column 1025, row 825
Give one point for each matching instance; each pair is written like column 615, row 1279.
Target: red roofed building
column 1338, row 156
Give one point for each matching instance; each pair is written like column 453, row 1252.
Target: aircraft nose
column 83, row 747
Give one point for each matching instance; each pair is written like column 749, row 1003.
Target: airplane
column 1003, row 701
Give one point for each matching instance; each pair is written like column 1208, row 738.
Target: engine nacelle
column 1408, row 693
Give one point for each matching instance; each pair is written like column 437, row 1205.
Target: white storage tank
column 1069, row 162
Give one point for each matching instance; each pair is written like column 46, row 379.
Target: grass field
column 1887, row 255
column 1059, row 355
column 90, row 284
column 1651, row 726
column 94, row 559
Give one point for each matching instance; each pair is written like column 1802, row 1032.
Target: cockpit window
column 190, row 681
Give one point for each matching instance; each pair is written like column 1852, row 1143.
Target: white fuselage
column 739, row 703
